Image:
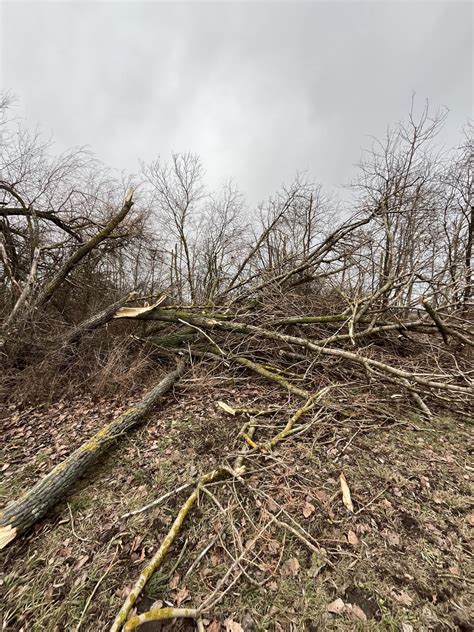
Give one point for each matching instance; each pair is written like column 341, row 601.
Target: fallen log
column 21, row 514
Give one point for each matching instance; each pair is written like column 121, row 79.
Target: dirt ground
column 400, row 561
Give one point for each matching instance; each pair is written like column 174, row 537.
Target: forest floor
column 400, row 561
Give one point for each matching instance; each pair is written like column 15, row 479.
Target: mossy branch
column 20, row 515
column 159, row 556
column 160, row 614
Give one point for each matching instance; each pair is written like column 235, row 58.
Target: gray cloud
column 259, row 90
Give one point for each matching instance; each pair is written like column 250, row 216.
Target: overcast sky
column 258, row 90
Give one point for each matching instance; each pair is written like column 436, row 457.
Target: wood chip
column 346, row 493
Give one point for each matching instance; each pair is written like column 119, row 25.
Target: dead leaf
column 352, row 538
column 136, row 542
column 291, row 567
column 406, row 627
column 454, row 570
column 273, row 586
column 81, row 561
column 346, row 493
column 356, row 612
column 181, row 596
column 123, row 592
column 425, row 482
column 273, row 546
column 65, row 551
column 174, row 582
column 248, row 623
column 403, row 598
column 470, row 519
column 387, row 504
column 308, row 509
column 271, row 505
column 81, row 579
column 215, row 626
column 336, row 607
column 232, row 626
column 392, row 538
column 48, row 595
column 321, row 495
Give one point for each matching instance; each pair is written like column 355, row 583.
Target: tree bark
column 96, row 320
column 84, row 250
column 20, row 515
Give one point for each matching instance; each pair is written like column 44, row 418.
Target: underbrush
column 398, row 562
column 102, row 364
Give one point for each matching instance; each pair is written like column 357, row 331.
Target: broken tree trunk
column 58, row 279
column 18, row 516
column 96, row 320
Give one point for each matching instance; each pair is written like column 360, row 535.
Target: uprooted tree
column 315, row 300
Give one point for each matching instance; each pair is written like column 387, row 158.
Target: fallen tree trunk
column 96, row 320
column 20, row 515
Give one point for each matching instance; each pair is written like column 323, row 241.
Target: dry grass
column 104, row 363
column 410, row 488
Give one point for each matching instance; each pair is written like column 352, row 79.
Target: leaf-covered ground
column 400, row 561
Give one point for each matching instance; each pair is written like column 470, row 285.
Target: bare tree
column 221, row 240
column 177, row 189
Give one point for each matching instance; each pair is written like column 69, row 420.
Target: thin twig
column 156, row 502
column 72, row 526
column 200, row 556
column 91, row 596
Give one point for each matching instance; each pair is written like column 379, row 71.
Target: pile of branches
column 423, row 358
column 365, row 307
column 417, row 361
